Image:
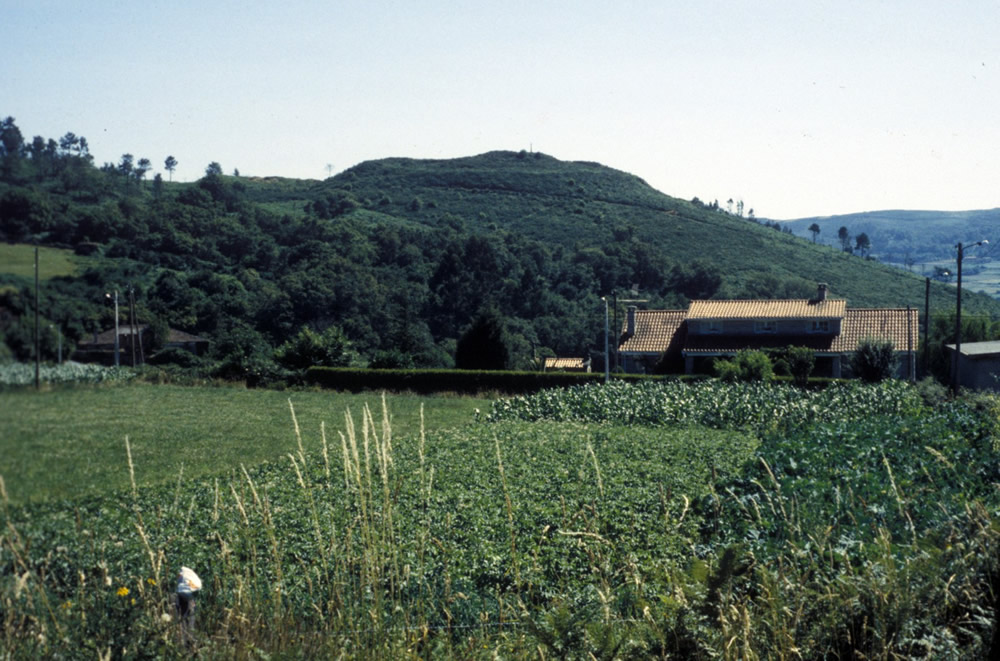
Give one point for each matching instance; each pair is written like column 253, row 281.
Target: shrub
column 874, row 360
column 800, row 361
column 932, row 392
column 176, row 356
column 746, row 365
column 331, row 348
column 486, row 345
column 392, row 359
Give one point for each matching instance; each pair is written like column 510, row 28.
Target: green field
column 650, row 520
column 78, row 434
column 19, row 259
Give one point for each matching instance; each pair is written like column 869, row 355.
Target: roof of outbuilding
column 555, row 363
column 124, row 330
column 978, row 348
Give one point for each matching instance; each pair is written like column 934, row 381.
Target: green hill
column 579, row 203
column 402, row 255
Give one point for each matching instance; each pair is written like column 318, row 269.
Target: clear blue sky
column 799, row 108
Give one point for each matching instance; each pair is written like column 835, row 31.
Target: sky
column 798, row 108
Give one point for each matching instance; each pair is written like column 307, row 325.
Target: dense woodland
column 391, row 262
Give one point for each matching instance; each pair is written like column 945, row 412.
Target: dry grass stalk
column 510, row 513
column 326, row 455
column 131, row 468
column 597, row 469
column 298, row 432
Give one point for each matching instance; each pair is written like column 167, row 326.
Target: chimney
column 821, row 292
column 630, row 325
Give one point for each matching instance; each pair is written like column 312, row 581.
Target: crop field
column 652, row 520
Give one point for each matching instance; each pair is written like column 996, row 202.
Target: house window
column 765, row 326
column 820, row 326
column 711, row 326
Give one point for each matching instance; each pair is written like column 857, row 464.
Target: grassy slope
column 61, row 443
column 19, row 260
column 572, row 202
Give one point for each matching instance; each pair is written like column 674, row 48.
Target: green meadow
column 71, row 441
column 19, row 260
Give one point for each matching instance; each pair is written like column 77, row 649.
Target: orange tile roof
column 879, row 323
column 768, row 309
column 654, row 330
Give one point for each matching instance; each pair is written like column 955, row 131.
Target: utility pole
column 38, row 353
column 614, row 323
column 131, row 324
column 138, row 330
column 607, row 367
column 117, row 357
column 927, row 323
column 958, row 320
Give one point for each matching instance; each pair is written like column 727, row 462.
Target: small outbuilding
column 101, row 349
column 554, row 364
column 979, row 365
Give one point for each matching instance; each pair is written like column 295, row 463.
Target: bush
column 932, row 392
column 874, row 360
column 746, row 365
column 486, row 345
column 800, row 361
column 391, row 359
column 331, row 348
column 176, row 356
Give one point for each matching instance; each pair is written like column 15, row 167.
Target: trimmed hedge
column 473, row 382
column 468, row 382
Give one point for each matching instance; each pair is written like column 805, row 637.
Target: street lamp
column 958, row 318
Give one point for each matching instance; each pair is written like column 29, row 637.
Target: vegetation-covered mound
column 399, row 256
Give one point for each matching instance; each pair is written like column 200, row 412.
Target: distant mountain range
column 920, row 240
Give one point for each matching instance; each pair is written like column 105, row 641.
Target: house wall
column 639, row 363
column 749, row 327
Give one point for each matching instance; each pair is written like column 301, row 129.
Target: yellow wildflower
column 123, row 591
column 151, row 581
